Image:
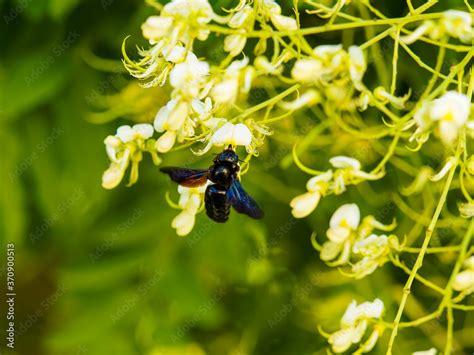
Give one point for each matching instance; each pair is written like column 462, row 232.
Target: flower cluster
column 351, row 239
column 354, row 324
column 333, row 71
column 454, row 23
column 201, row 94
column 346, row 171
column 125, row 147
column 170, row 33
column 243, row 19
column 447, row 115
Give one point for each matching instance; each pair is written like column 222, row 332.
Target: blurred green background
column 102, row 272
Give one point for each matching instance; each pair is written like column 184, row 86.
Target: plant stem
column 421, row 255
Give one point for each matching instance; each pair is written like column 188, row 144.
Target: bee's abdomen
column 217, row 206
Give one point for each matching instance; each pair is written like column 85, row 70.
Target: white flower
column 458, row 24
column 170, row 119
column 374, row 251
column 191, row 197
column 180, row 20
column 166, row 141
column 273, row 11
column 233, row 134
column 327, row 62
column 236, row 79
column 242, row 17
column 172, row 116
column 308, row 98
column 464, row 281
column 307, row 71
column 330, row 53
column 284, row 23
column 304, row 204
column 184, row 223
column 127, row 146
column 234, row 44
column 345, row 220
column 344, row 338
column 452, row 111
column 331, row 68
column 343, row 225
column 374, row 245
column 431, row 351
column 357, row 65
column 139, row 131
column 343, row 162
column 243, row 20
column 354, row 325
column 334, row 60
column 365, row 310
column 197, row 10
column 175, row 54
column 190, row 201
column 114, row 174
column 170, row 33
column 349, row 172
column 188, row 77
column 156, row 27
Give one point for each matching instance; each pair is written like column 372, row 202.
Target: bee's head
column 228, row 155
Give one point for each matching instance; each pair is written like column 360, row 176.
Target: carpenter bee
column 225, row 190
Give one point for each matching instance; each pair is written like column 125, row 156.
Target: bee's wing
column 242, row 202
column 187, row 177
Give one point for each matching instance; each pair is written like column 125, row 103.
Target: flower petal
column 343, row 162
column 304, row 204
column 347, row 215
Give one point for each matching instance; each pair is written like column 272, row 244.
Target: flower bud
column 303, row 205
column 240, row 18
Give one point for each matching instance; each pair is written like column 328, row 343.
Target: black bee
column 225, row 190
